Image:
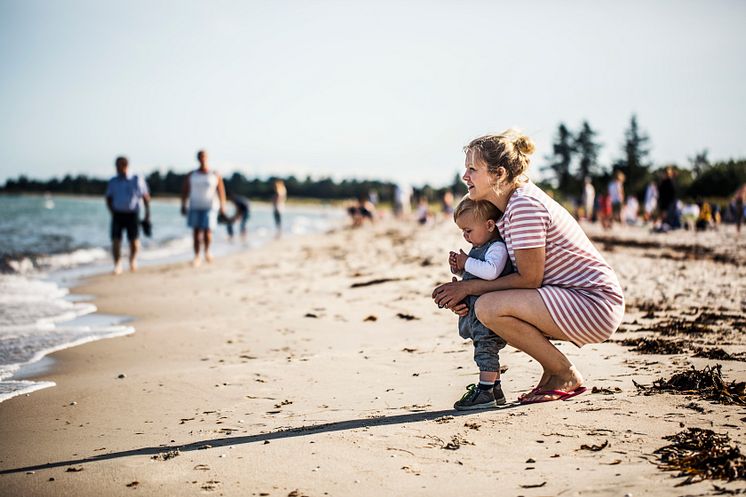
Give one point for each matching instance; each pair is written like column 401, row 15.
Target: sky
column 379, row 89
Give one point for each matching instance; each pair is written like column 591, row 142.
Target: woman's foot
column 540, row 386
column 566, row 381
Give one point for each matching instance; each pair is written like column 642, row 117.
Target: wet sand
column 320, row 366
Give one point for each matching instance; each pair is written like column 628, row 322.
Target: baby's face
column 476, row 231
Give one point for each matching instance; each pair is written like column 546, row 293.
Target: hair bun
column 524, row 144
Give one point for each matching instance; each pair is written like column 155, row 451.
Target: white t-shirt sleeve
column 492, row 265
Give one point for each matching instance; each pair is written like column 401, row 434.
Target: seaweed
column 718, row 354
column 678, row 327
column 655, row 346
column 700, row 454
column 708, row 383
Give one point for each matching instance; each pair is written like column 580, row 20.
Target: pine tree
column 560, row 161
column 635, row 163
column 587, row 150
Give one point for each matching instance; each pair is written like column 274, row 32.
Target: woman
column 563, row 289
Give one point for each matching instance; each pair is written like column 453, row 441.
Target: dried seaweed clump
column 707, row 383
column 718, row 354
column 655, row 346
column 701, row 454
column 674, row 327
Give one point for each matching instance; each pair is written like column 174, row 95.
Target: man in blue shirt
column 123, row 195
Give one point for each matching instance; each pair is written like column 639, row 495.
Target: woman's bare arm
column 531, row 260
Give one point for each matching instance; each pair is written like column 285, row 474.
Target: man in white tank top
column 205, row 193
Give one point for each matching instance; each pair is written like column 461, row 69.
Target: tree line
column 574, row 157
column 170, row 184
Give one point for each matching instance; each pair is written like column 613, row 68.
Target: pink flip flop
column 562, row 395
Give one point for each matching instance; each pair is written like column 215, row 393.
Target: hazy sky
column 390, row 90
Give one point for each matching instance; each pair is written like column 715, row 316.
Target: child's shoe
column 497, row 391
column 476, row 398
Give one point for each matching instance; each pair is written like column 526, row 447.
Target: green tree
column 635, row 164
column 700, row 163
column 587, row 150
column 560, row 161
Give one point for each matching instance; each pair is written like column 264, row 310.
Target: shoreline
column 273, row 355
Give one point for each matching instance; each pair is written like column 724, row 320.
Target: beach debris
column 296, row 493
column 310, row 315
column 405, row 317
column 534, row 485
column 718, row 354
column 400, row 450
column 606, row 390
column 700, row 454
column 122, row 376
column 373, row 282
column 530, row 460
column 370, row 318
column 655, row 345
column 133, row 484
column 728, row 491
column 410, row 470
column 283, row 403
column 708, row 383
column 678, row 326
column 73, row 403
column 444, row 419
column 72, row 469
column 410, row 350
column 472, row 426
column 165, row 456
column 201, row 467
column 210, row 485
column 694, row 407
column 456, row 442
column 595, row 448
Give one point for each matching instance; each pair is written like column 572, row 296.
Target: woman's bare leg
column 522, row 320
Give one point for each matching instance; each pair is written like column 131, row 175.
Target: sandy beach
column 320, row 366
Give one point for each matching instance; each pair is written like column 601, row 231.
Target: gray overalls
column 487, row 344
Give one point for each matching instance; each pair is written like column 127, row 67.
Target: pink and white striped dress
column 580, row 290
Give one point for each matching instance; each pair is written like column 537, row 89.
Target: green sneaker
column 475, row 398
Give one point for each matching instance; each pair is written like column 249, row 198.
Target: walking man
column 205, row 193
column 123, row 195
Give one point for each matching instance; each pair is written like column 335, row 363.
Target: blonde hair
column 509, row 150
column 483, row 210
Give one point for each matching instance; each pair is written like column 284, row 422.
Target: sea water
column 47, row 244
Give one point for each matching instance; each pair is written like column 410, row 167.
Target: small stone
column 73, row 403
column 122, row 376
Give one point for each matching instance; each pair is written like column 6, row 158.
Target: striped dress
column 580, row 290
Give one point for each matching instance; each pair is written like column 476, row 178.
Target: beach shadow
column 274, row 435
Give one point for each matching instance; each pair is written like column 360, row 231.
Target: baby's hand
column 461, row 258
column 452, row 262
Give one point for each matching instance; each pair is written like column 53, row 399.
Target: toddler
column 488, row 259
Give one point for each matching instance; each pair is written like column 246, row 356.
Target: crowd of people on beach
column 662, row 208
column 203, row 202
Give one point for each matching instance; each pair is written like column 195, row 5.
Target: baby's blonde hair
column 483, row 210
column 509, row 150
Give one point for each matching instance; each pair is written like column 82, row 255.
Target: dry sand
column 272, row 375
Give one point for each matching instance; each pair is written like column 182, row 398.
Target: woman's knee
column 485, row 310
